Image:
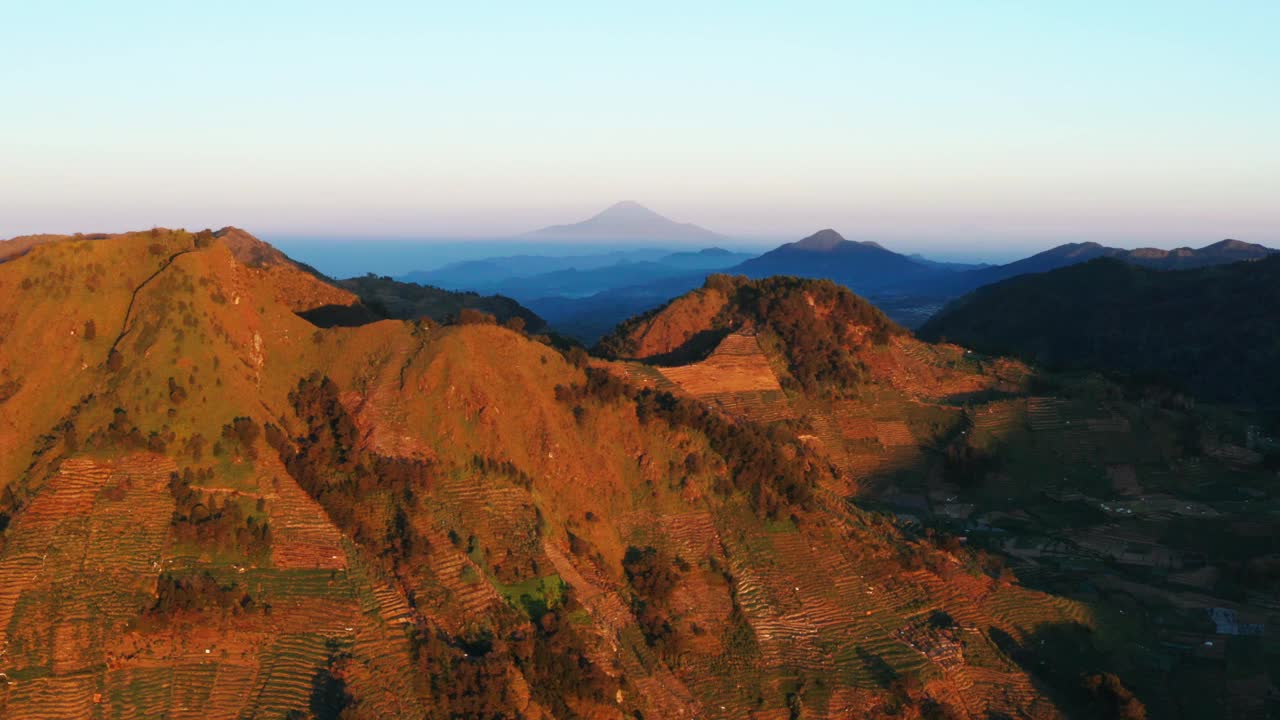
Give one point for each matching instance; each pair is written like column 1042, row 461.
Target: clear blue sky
column 934, row 124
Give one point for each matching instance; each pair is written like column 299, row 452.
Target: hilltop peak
column 629, row 211
column 1230, row 244
column 861, row 266
column 1075, row 248
column 627, row 205
column 826, row 239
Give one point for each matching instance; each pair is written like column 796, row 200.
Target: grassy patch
column 535, row 596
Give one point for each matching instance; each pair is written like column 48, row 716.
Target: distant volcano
column 627, row 221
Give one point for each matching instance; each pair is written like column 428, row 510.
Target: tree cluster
column 178, row 593
column 122, row 434
column 774, row 468
column 967, row 465
column 471, row 316
column 329, row 463
column 1113, row 699
column 652, row 575
column 820, row 347
column 202, row 520
column 239, row 437
column 470, row 676
column 504, row 468
column 330, row 697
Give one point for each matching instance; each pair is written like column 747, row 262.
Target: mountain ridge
column 1224, row 251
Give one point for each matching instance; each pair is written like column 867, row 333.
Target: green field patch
column 779, row 526
column 534, row 596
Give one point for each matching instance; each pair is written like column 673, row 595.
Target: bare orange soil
column 737, row 365
column 677, row 323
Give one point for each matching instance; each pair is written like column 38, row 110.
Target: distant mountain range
column 868, row 268
column 585, row 295
column 1219, row 253
column 627, row 221
column 944, row 265
column 486, row 273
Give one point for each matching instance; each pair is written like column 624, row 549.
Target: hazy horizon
column 348, row 255
column 993, row 130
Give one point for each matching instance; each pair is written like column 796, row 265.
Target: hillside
column 1139, row 514
column 18, row 246
column 1212, row 331
column 213, row 506
column 819, row 327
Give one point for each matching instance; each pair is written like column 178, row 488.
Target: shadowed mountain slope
column 390, row 298
column 1212, row 330
column 861, row 266
column 1219, row 253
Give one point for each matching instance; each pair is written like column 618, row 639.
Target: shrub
column 177, row 393
column 1113, row 698
column 471, row 316
column 652, row 576
column 221, row 526
column 770, row 465
column 243, row 432
column 197, row 592
column 577, row 356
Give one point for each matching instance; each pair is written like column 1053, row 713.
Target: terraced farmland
column 102, row 528
column 738, row 365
